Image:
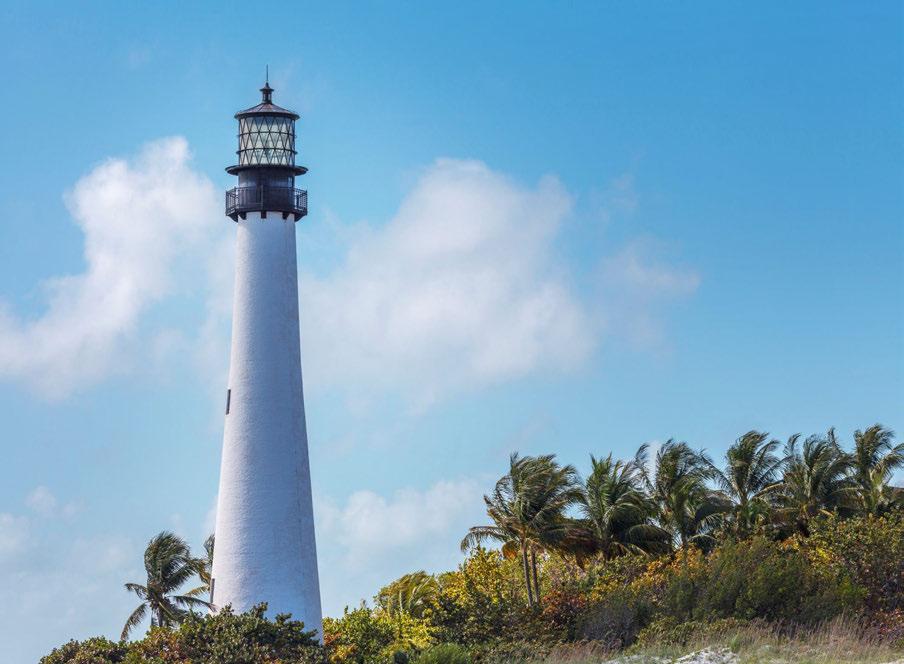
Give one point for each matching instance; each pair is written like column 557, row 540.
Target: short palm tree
column 411, row 594
column 527, row 508
column 616, row 513
column 816, row 481
column 874, row 460
column 169, row 565
column 204, row 569
column 749, row 481
column 677, row 484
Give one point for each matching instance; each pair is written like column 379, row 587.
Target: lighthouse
column 265, row 549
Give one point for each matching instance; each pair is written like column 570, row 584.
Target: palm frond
column 134, row 620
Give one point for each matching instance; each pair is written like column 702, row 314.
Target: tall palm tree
column 616, row 513
column 874, row 460
column 750, row 481
column 169, row 565
column 816, row 481
column 527, row 508
column 677, row 483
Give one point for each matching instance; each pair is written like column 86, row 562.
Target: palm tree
column 204, row 569
column 617, row 514
column 816, row 481
column 749, row 481
column 410, row 594
column 873, row 462
column 677, row 484
column 169, row 565
column 527, row 508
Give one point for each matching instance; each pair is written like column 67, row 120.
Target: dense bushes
column 477, row 613
column 756, row 578
column 797, row 583
column 867, row 550
column 92, row 651
column 445, row 653
column 226, row 638
column 660, row 550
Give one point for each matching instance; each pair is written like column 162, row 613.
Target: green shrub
column 92, row 651
column 480, row 601
column 506, row 651
column 228, row 638
column 757, row 578
column 445, row 653
column 358, row 636
column 616, row 619
column 561, row 614
column 667, row 631
column 224, row 638
column 869, row 551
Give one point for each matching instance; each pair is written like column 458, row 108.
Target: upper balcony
column 266, row 198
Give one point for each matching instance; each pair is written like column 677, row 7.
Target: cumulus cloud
column 371, row 526
column 461, row 287
column 369, row 539
column 138, row 216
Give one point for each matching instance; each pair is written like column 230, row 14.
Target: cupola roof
column 267, row 107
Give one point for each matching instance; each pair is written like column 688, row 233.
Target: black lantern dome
column 266, row 166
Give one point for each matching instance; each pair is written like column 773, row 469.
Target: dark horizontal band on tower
column 266, row 198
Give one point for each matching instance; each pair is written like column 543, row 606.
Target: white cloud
column 369, row 526
column 138, row 216
column 460, row 288
column 370, row 539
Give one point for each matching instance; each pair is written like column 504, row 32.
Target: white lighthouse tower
column 265, row 549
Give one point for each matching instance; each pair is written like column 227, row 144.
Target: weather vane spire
column 267, row 91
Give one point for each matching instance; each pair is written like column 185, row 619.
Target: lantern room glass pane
column 267, row 140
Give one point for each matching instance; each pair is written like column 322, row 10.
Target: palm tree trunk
column 527, row 583
column 533, row 564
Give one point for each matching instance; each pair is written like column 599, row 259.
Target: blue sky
column 532, row 228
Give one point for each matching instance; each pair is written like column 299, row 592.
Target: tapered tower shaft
column 265, row 547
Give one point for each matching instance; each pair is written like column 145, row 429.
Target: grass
column 838, row 642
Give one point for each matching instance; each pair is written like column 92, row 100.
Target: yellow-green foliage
column 481, row 601
column 374, row 636
column 869, row 551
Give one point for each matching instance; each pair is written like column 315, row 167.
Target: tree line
column 678, row 497
column 658, row 502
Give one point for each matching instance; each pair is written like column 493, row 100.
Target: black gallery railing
column 263, row 197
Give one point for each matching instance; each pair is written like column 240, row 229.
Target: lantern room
column 266, row 162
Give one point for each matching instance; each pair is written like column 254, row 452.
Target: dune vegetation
column 783, row 551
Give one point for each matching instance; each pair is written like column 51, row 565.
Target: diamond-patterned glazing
column 266, row 140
